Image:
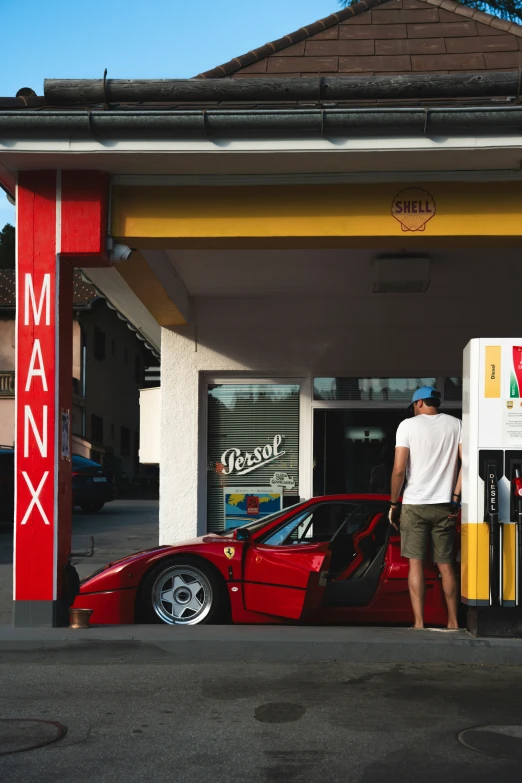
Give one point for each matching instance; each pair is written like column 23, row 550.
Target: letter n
column 41, row 440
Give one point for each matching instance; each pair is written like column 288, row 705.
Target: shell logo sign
column 413, row 208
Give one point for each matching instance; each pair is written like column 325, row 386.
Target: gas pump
column 491, row 572
column 491, row 517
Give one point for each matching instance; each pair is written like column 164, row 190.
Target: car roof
column 360, row 497
column 88, row 463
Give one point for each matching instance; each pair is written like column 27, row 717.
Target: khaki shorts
column 423, row 524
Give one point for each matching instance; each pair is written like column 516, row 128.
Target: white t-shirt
column 433, row 442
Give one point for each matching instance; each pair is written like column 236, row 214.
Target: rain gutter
column 77, row 124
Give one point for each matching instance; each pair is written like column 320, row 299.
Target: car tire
column 196, row 590
column 92, row 508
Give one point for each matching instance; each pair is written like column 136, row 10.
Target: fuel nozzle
column 517, row 486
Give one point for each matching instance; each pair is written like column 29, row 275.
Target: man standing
column 427, row 451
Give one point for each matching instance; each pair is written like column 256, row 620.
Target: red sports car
column 329, row 560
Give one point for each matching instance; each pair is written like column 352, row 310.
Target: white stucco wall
column 7, row 421
column 374, row 335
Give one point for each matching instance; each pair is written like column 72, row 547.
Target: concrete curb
column 285, row 644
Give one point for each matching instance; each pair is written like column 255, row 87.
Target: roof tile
column 365, row 18
column 484, row 29
column 453, row 62
column 405, row 16
column 329, row 34
column 374, row 31
column 296, row 64
column 411, row 46
column 375, row 63
column 442, row 30
column 335, row 48
column 450, row 16
column 296, row 50
column 503, row 60
column 449, row 5
column 493, row 43
column 500, row 24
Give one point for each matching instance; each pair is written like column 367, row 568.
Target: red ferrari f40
column 328, row 560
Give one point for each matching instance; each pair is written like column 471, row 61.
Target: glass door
column 355, row 421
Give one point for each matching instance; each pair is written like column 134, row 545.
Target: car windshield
column 315, row 524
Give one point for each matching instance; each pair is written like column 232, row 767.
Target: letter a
column 37, row 352
column 45, row 298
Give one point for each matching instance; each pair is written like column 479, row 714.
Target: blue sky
column 136, row 38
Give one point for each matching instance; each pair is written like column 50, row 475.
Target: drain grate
column 499, row 741
column 19, row 734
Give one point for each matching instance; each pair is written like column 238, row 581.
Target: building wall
column 371, row 335
column 112, row 387
column 7, row 343
column 7, row 421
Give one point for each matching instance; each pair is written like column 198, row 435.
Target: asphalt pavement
column 228, row 723
column 120, row 528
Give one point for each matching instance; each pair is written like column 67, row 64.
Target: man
column 428, row 447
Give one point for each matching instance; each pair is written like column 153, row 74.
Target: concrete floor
column 231, row 723
column 121, row 527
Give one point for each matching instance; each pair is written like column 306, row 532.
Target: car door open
column 285, row 574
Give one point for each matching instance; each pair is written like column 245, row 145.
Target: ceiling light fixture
column 401, row 274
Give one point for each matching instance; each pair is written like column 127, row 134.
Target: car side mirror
column 242, row 534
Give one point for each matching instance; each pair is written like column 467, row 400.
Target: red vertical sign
column 61, row 222
column 36, row 392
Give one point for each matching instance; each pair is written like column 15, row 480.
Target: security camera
column 120, row 253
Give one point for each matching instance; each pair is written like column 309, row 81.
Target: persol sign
column 238, row 463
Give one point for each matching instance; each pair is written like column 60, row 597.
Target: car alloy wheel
column 182, row 595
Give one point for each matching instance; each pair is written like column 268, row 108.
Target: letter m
column 45, row 300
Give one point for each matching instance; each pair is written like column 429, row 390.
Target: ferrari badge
column 230, row 552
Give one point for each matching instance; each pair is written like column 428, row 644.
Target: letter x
column 35, row 501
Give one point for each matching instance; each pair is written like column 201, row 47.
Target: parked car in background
column 92, row 485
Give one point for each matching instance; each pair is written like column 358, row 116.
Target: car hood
column 145, row 556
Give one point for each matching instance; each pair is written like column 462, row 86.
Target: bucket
column 80, row 618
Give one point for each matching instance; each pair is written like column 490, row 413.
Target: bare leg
column 449, row 585
column 416, row 587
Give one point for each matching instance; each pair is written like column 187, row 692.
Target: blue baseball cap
column 424, row 393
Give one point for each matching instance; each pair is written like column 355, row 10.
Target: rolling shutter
column 246, row 417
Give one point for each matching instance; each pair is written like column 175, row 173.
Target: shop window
column 125, row 356
column 125, row 442
column 138, row 373
column 253, row 452
column 369, row 389
column 97, row 429
column 99, row 343
column 113, row 347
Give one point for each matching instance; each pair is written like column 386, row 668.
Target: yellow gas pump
column 492, row 467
